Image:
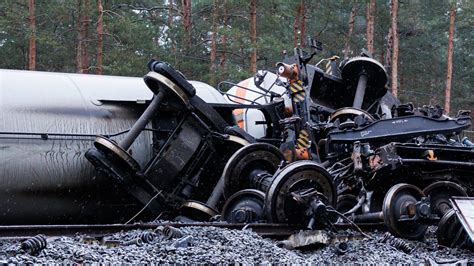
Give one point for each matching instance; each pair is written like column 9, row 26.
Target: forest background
column 429, row 59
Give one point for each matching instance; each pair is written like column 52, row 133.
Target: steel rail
column 278, row 231
column 262, row 229
column 8, row 231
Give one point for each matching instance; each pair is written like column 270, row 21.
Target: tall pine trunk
column 79, row 37
column 223, row 59
column 187, row 22
column 170, row 25
column 212, row 68
column 394, row 61
column 352, row 16
column 85, row 27
column 370, row 25
column 296, row 26
column 100, row 37
column 388, row 51
column 253, row 35
column 303, row 24
column 82, row 55
column 449, row 72
column 299, row 27
column 32, row 37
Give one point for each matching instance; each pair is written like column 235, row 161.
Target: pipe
column 141, row 123
column 261, row 180
column 437, row 162
column 368, row 217
column 216, row 193
column 360, row 92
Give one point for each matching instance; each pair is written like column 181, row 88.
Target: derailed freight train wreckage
column 314, row 148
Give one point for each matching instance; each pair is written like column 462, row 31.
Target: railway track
column 263, row 229
column 21, row 231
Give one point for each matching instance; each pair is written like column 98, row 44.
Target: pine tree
column 370, row 25
column 352, row 16
column 395, row 38
column 100, row 37
column 253, row 36
column 449, row 72
column 32, row 38
column 213, row 54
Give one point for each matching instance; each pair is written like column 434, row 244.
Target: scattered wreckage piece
column 456, row 227
column 308, row 238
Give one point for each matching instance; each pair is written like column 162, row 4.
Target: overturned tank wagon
column 50, row 120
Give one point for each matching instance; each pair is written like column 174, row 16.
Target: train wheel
column 156, row 82
column 345, row 202
column 245, row 206
column 345, row 113
column 281, row 207
column 116, row 154
column 400, row 201
column 440, row 192
column 197, row 211
column 251, row 158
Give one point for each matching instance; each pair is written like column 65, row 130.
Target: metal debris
column 317, row 238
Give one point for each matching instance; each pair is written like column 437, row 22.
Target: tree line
column 425, row 45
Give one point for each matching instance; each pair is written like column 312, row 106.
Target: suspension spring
column 171, row 232
column 34, row 245
column 147, row 237
column 397, row 243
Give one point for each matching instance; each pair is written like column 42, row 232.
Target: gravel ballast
column 218, row 245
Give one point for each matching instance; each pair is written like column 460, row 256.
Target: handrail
column 233, row 98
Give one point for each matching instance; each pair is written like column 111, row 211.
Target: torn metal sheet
column 464, row 207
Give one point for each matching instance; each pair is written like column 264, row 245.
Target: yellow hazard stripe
column 298, row 86
column 293, row 89
column 303, row 140
column 297, row 91
column 298, row 98
column 302, row 144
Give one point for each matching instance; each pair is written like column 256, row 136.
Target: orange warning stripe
column 241, row 92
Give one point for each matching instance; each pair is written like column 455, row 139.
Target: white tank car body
column 247, row 118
